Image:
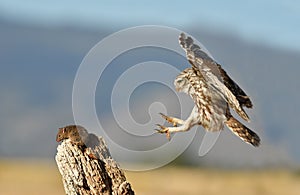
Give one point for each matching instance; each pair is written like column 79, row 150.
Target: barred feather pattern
column 242, row 131
column 211, row 106
column 214, row 75
column 213, row 110
column 214, row 92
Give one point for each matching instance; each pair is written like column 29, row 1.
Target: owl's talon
column 168, row 119
column 162, row 115
column 163, row 130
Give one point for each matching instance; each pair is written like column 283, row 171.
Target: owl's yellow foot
column 162, row 130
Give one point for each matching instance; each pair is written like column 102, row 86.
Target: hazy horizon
column 42, row 48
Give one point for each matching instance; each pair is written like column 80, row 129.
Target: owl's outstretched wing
column 241, row 96
column 215, row 76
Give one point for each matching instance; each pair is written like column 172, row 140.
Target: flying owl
column 213, row 92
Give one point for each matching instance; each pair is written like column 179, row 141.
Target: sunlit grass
column 42, row 177
column 29, row 177
column 174, row 180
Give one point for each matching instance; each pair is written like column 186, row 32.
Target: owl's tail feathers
column 242, row 131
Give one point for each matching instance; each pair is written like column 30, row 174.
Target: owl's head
column 181, row 83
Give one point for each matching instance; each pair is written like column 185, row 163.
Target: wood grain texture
column 82, row 174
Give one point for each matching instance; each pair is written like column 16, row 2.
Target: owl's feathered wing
column 241, row 96
column 213, row 109
column 215, row 76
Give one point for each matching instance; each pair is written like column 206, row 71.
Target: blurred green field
column 42, row 177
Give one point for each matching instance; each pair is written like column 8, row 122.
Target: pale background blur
column 42, row 44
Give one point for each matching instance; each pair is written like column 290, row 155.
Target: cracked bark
column 83, row 175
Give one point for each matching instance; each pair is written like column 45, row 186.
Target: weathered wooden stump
column 82, row 174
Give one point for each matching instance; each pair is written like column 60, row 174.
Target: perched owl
column 213, row 92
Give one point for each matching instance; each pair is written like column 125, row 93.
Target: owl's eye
column 180, row 81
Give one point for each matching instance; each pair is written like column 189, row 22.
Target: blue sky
column 275, row 23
